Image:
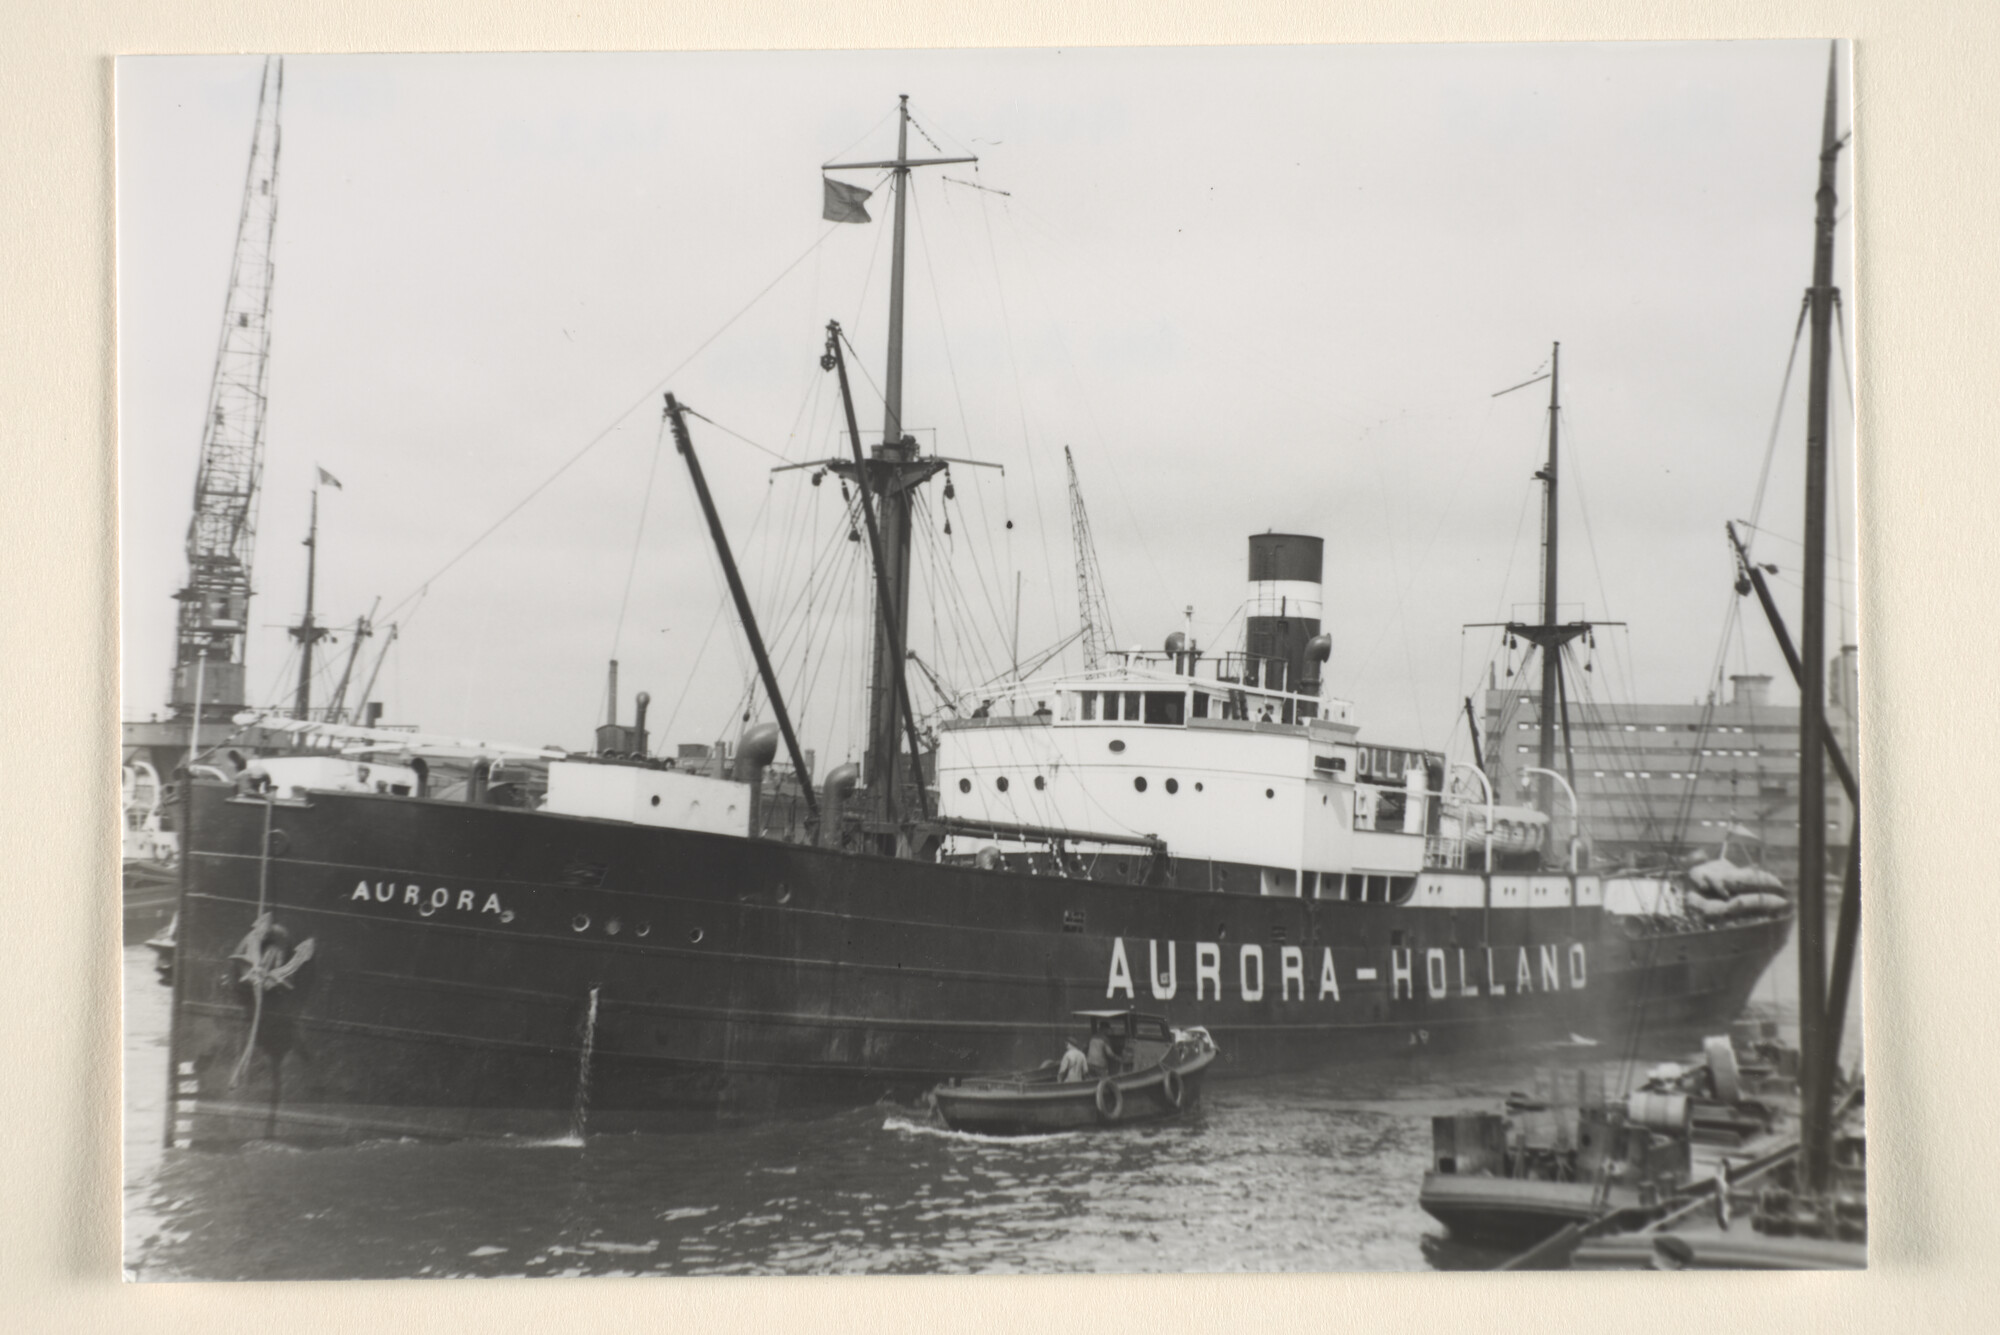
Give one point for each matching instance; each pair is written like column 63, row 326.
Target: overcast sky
column 1251, row 288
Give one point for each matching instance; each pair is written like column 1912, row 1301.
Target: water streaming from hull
column 580, row 1114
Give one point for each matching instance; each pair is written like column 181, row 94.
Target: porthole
column 656, row 799
column 613, row 927
column 643, row 929
column 694, row 937
column 1197, row 785
column 580, row 923
column 1001, row 783
column 1140, row 783
column 965, row 785
column 1117, row 745
column 279, row 843
column 784, row 894
column 1040, row 783
column 1269, row 793
column 1173, row 785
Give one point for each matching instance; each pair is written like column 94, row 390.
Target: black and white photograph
column 1149, row 660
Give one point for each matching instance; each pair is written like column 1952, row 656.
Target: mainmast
column 895, row 470
column 1551, row 654
column 1549, row 635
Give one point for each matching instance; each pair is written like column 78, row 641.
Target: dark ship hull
column 481, row 970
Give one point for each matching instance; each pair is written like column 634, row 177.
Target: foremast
column 893, row 470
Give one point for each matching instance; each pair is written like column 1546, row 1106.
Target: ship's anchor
column 264, row 961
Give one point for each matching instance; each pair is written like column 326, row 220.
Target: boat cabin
column 1137, row 1041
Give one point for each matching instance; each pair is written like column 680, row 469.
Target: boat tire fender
column 1110, row 1100
column 1173, row 1088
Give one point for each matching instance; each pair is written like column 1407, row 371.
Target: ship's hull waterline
column 478, row 970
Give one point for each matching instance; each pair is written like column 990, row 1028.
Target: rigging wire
column 613, row 425
column 958, row 396
column 1778, row 415
column 1020, row 399
column 638, row 539
column 1085, row 400
column 863, row 135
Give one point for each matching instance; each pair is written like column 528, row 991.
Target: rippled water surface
column 1302, row 1173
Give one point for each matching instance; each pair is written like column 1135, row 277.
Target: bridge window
column 1201, row 704
column 1089, row 699
column 1167, row 707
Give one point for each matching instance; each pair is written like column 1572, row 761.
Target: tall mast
column 308, row 633
column 1551, row 653
column 895, row 470
column 215, row 604
column 1549, row 635
column 1817, row 1062
column 892, row 384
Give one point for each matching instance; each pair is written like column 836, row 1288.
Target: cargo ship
column 366, row 948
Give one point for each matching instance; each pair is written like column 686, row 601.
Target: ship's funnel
column 1281, row 616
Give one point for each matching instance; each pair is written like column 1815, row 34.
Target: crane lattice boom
column 215, row 605
column 1091, row 608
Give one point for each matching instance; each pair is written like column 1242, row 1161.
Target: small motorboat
column 1151, row 1072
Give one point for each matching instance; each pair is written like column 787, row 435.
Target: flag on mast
column 844, row 202
column 328, row 479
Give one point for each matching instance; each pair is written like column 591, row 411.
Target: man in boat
column 1074, row 1064
column 1098, row 1058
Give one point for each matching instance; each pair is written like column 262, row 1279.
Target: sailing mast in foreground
column 1819, row 1022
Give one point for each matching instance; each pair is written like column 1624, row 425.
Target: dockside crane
column 1091, row 609
column 208, row 678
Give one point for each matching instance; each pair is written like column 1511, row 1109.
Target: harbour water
column 1310, row 1172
